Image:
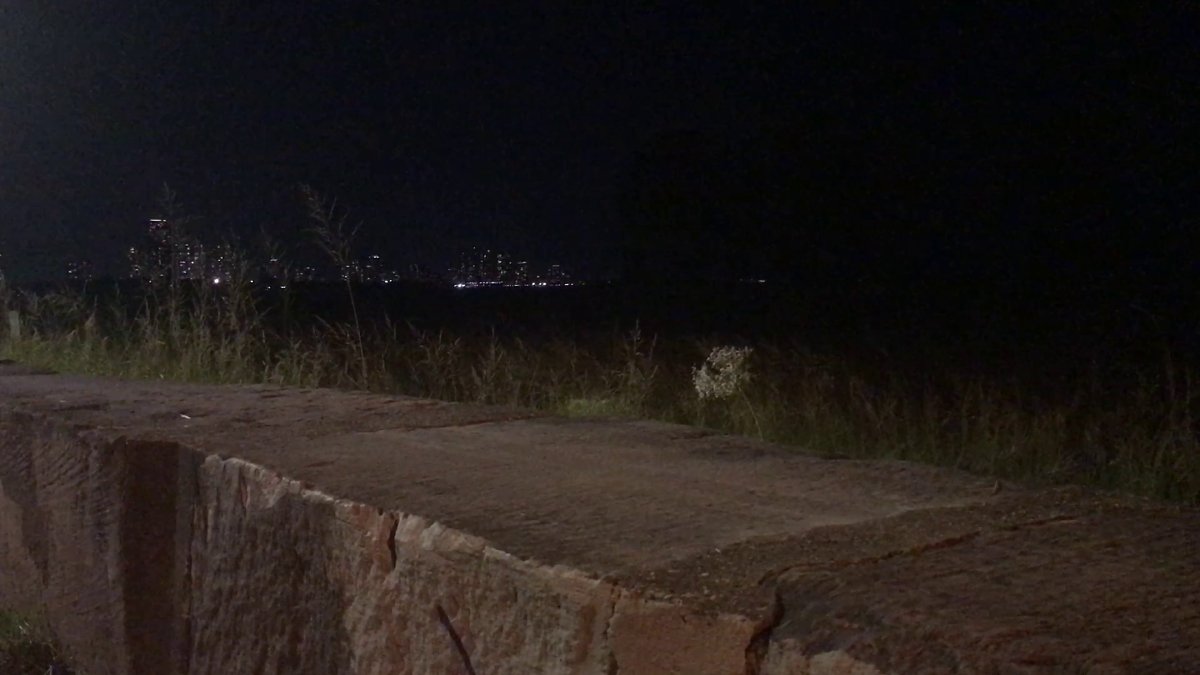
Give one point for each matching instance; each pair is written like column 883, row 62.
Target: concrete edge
column 163, row 552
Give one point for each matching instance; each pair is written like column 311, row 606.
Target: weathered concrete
column 188, row 529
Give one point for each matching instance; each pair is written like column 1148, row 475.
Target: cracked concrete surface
column 193, row 529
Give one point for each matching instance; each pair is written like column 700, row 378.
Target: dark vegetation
column 1105, row 400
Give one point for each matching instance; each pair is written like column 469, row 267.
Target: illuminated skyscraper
column 158, row 250
column 167, row 254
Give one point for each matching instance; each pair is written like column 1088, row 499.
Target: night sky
column 798, row 141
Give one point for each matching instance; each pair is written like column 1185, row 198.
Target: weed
column 26, row 648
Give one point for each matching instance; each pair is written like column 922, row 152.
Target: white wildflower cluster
column 723, row 373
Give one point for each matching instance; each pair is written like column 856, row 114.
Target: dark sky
column 940, row 133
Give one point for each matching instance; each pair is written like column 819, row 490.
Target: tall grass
column 29, row 648
column 1140, row 436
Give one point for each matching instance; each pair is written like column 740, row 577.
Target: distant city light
column 168, row 254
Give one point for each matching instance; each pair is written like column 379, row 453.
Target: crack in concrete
column 391, row 542
column 98, row 406
column 459, row 425
column 1053, row 520
column 613, row 667
column 772, row 576
column 760, row 642
column 455, row 638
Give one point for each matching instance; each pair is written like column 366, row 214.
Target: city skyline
column 1014, row 151
column 168, row 253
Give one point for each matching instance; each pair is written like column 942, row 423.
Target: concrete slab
column 659, row 548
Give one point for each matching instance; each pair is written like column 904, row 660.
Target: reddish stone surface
column 191, row 529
